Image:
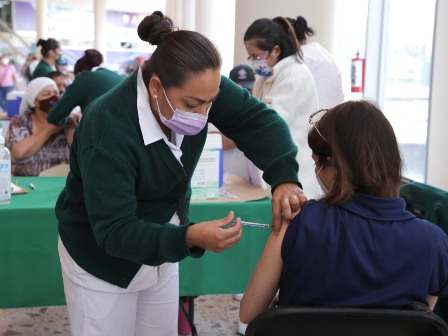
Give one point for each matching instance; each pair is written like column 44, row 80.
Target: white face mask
column 5, row 61
column 321, row 184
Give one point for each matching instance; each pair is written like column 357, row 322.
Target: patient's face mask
column 186, row 123
column 45, row 105
column 321, row 184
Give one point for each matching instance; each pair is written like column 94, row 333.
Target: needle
column 253, row 224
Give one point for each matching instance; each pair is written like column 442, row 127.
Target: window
column 396, row 38
column 407, row 79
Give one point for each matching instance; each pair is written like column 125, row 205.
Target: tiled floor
column 214, row 315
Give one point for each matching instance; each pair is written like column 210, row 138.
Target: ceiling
column 135, row 6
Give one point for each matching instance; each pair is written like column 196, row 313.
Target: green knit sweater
column 41, row 69
column 87, row 86
column 120, row 194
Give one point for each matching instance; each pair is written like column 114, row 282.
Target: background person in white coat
column 285, row 84
column 322, row 65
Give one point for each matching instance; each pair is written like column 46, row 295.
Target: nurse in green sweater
column 91, row 81
column 123, row 215
column 51, row 51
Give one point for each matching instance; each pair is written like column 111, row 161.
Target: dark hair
column 301, row 28
column 269, row 33
column 54, row 74
column 363, row 149
column 179, row 53
column 47, row 46
column 91, row 59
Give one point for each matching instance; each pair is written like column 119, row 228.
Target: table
column 30, row 272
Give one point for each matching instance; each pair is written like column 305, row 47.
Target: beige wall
column 318, row 13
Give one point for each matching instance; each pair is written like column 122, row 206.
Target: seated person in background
column 234, row 161
column 244, row 76
column 63, row 67
column 60, row 80
column 35, row 144
column 91, row 81
column 357, row 246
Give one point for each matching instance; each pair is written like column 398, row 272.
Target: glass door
column 407, row 41
column 398, row 73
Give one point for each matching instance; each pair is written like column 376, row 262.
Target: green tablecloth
column 30, row 273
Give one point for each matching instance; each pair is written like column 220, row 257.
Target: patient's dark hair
column 179, row 53
column 363, row 149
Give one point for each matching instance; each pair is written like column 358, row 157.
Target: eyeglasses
column 314, row 122
column 257, row 57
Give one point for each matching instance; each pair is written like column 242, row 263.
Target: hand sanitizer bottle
column 5, row 172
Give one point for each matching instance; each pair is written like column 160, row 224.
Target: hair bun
column 154, row 28
column 301, row 23
column 93, row 57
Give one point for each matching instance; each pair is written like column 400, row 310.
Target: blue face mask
column 262, row 68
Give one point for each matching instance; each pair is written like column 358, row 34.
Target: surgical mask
column 186, row 123
column 45, row 105
column 262, row 68
column 5, row 61
column 321, row 184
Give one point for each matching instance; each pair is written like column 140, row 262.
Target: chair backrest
column 346, row 322
column 58, row 170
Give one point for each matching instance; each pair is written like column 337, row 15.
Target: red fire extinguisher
column 358, row 73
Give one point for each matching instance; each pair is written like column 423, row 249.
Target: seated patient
column 60, row 80
column 357, row 246
column 35, row 144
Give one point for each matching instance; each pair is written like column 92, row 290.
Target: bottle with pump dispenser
column 5, row 172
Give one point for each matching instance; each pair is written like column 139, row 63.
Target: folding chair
column 319, row 321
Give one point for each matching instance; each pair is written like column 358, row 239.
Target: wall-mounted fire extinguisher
column 358, row 73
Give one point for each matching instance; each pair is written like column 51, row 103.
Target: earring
column 155, row 97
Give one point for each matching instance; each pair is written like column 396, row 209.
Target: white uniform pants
column 152, row 311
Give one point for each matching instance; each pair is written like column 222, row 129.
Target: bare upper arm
column 264, row 281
